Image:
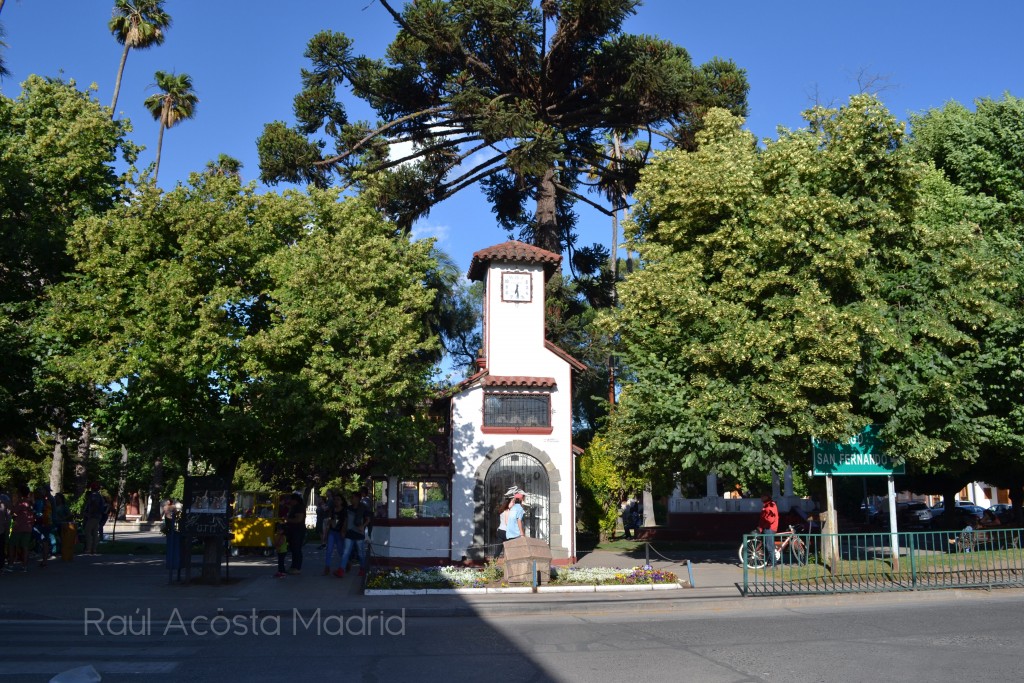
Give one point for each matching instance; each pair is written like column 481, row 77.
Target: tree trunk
column 82, row 452
column 1017, row 500
column 547, row 235
column 648, row 498
column 117, row 83
column 57, row 465
column 159, row 147
column 949, row 492
column 119, row 509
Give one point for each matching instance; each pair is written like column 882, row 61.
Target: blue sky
column 244, row 57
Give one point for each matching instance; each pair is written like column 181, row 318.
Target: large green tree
column 136, row 24
column 221, row 323
column 982, row 152
column 57, row 152
column 804, row 289
column 514, row 96
column 176, row 102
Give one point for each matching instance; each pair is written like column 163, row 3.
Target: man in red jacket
column 768, row 524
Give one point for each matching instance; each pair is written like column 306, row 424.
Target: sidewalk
column 139, row 585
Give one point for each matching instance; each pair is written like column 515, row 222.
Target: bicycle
column 752, row 551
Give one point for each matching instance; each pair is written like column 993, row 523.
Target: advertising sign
column 206, row 509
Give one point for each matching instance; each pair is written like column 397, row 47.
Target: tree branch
column 374, row 133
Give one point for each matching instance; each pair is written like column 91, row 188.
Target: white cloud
column 439, row 231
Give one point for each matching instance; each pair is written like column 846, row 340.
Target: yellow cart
column 256, row 513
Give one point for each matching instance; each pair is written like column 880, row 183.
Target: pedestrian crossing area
column 39, row 650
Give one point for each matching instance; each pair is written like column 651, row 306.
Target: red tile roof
column 513, row 250
column 520, row 381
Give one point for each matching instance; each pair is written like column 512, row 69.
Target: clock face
column 515, row 286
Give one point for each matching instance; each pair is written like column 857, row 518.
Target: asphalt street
column 119, row 617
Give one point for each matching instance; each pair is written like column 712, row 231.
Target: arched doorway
column 526, row 472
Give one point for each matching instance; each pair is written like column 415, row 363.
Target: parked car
column 973, row 509
column 913, row 515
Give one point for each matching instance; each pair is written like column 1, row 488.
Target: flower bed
column 604, row 576
column 491, row 576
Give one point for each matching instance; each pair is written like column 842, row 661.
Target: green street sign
column 860, row 455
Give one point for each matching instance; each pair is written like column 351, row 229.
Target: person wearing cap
column 516, row 513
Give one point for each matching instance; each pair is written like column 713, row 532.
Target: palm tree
column 136, row 24
column 225, row 166
column 176, row 102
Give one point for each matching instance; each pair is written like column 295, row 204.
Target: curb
column 606, row 588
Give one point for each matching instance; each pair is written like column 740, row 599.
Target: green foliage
column 809, row 288
column 57, row 150
column 981, row 153
column 16, row 470
column 222, row 323
column 249, row 478
column 524, row 89
column 601, row 486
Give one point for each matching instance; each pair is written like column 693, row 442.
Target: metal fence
column 876, row 562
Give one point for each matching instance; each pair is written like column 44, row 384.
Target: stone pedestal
column 521, row 554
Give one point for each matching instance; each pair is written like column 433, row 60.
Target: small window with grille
column 508, row 409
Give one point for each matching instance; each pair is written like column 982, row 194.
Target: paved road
column 966, row 638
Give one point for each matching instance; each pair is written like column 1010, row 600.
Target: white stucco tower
column 511, row 422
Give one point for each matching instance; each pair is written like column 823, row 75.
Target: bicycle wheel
column 752, row 553
column 798, row 550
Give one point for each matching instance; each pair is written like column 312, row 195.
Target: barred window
column 517, row 410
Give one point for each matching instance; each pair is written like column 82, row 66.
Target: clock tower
column 514, row 275
column 511, row 422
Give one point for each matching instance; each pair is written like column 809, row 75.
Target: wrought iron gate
column 527, row 473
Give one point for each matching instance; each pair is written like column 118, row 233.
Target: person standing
column 323, row 512
column 43, row 509
column 355, row 536
column 95, row 509
column 515, row 528
column 334, row 525
column 626, row 512
column 24, row 517
column 768, row 524
column 367, row 503
column 295, row 530
column 281, row 548
column 5, row 528
column 503, row 509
